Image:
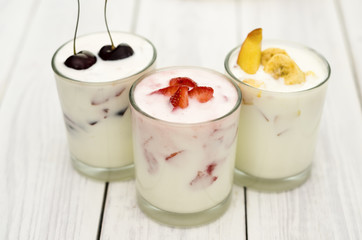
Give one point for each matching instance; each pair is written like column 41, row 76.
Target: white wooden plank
column 328, row 206
column 13, row 31
column 123, row 219
column 184, row 33
column 42, row 197
column 350, row 15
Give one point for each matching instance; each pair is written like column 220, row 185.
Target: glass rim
column 134, row 105
column 290, row 43
column 152, row 61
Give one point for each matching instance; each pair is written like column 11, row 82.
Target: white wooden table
column 42, row 197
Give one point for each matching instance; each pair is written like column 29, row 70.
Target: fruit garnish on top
column 267, row 54
column 83, row 59
column 180, row 89
column 202, row 94
column 281, row 65
column 276, row 61
column 182, row 81
column 250, row 52
column 180, row 97
column 111, row 52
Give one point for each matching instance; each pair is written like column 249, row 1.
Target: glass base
column 271, row 185
column 183, row 219
column 104, row 174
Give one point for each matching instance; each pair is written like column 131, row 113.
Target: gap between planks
column 99, row 232
column 349, row 50
column 246, row 213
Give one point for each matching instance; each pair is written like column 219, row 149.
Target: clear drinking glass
column 95, row 104
column 278, row 131
column 184, row 171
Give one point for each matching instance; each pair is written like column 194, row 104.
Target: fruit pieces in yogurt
column 184, row 154
column 95, row 100
column 282, row 106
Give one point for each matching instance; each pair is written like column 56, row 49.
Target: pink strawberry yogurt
column 184, row 157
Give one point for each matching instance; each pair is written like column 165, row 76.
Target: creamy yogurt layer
column 105, row 71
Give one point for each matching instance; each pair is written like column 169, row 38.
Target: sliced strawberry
column 210, row 168
column 150, row 158
column 183, row 81
column 202, row 181
column 151, row 161
column 180, row 98
column 167, row 91
column 202, row 94
column 204, row 178
column 172, row 155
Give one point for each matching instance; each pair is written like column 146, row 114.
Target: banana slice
column 281, row 65
column 268, row 53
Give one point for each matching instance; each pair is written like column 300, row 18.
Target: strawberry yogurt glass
column 96, row 107
column 184, row 141
column 279, row 123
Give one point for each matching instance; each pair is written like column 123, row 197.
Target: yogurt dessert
column 184, row 123
column 284, row 86
column 95, row 104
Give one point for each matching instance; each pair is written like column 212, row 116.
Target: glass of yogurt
column 96, row 107
column 184, row 157
column 279, row 123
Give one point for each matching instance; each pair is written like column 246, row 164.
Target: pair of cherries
column 86, row 59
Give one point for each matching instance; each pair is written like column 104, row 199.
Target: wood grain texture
column 328, row 206
column 350, row 16
column 42, row 197
column 13, row 31
column 184, row 33
column 123, row 219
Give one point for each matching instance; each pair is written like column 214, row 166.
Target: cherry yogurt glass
column 96, row 107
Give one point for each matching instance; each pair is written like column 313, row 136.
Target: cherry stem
column 105, row 19
column 76, row 29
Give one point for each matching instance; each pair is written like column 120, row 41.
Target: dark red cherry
column 81, row 60
column 120, row 52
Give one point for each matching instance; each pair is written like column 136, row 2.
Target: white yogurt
column 279, row 123
column 184, row 159
column 95, row 100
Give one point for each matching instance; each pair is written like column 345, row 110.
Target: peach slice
column 250, row 52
